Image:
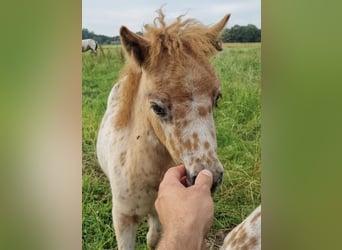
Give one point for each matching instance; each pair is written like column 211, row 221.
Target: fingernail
column 207, row 172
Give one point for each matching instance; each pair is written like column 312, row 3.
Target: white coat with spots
column 160, row 113
column 247, row 235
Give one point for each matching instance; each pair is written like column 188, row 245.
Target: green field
column 238, row 126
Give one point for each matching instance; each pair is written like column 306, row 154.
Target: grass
column 238, row 127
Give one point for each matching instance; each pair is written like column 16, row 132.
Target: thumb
column 204, row 178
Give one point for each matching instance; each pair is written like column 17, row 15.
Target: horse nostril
column 193, row 178
column 216, row 182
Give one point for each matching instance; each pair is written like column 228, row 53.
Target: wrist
column 179, row 239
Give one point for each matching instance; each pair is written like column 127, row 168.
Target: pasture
column 238, row 127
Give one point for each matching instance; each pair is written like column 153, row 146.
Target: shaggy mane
column 179, row 38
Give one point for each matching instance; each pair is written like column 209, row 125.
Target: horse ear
column 135, row 45
column 215, row 31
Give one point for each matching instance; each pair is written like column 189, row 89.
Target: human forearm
column 176, row 240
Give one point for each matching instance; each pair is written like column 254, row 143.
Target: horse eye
column 158, row 110
column 217, row 98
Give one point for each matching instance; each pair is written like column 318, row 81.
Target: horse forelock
column 177, row 40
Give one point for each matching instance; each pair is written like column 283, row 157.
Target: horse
column 159, row 114
column 246, row 235
column 89, row 44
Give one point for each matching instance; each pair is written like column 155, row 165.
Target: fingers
column 174, row 175
column 204, row 178
column 177, row 176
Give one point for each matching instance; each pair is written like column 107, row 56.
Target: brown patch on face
column 185, row 123
column 187, row 145
column 123, row 158
column 196, row 140
column 180, row 113
column 206, row 145
column 177, row 132
column 202, row 111
column 173, row 147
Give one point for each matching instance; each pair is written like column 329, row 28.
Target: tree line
column 101, row 39
column 236, row 34
column 241, row 34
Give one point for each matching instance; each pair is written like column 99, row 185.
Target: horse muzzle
column 217, row 172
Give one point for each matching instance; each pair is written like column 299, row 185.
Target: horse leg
column 125, row 226
column 154, row 231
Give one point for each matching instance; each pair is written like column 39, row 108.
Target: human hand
column 186, row 213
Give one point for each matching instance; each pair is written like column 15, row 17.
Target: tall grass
column 237, row 122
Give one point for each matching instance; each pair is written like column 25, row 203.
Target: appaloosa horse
column 89, row 44
column 246, row 235
column 159, row 113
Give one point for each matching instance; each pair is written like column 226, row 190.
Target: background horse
column 159, row 113
column 89, row 44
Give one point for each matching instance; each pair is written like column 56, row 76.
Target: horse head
column 180, row 89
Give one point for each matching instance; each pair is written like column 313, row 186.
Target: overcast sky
column 105, row 17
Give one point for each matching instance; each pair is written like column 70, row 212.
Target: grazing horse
column 89, row 44
column 159, row 113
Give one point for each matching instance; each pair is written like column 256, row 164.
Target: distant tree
column 225, row 36
column 242, row 34
column 116, row 40
column 87, row 34
column 101, row 39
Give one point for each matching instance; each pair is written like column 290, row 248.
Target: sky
column 105, row 17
